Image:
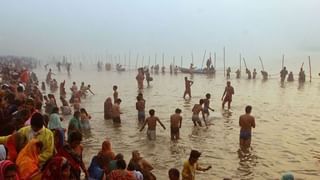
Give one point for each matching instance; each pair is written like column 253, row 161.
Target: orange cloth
column 28, row 160
column 107, row 150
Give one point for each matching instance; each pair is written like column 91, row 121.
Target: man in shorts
column 175, row 124
column 227, row 95
column 152, row 123
column 246, row 123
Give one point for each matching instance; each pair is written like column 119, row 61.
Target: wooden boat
column 197, row 71
column 120, row 68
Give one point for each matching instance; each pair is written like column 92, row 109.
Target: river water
column 285, row 137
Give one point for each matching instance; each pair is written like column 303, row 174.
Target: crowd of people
column 35, row 145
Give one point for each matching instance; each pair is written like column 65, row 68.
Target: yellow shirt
column 45, row 136
column 189, row 171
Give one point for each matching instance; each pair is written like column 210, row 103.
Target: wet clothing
column 245, row 135
column 151, row 134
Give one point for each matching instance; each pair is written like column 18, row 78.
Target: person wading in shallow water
column 246, row 123
column 188, row 85
column 227, row 95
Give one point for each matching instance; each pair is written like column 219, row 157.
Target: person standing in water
column 116, row 112
column 206, row 104
column 152, row 123
column 197, row 108
column 246, row 123
column 254, row 74
column 227, row 95
column 140, row 106
column 283, row 74
column 140, row 78
column 175, row 124
column 290, row 77
column 228, row 72
column 115, row 93
column 188, row 85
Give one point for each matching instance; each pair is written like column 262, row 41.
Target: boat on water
column 120, row 68
column 198, row 71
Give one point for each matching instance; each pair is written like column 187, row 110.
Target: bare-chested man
column 115, row 93
column 140, row 106
column 227, row 95
column 188, row 85
column 197, row 108
column 175, row 124
column 152, row 123
column 246, row 123
column 140, row 78
column 206, row 104
column 116, row 112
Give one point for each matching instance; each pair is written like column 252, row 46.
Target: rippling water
column 285, row 137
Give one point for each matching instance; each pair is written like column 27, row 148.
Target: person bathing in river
column 227, row 95
column 140, row 107
column 197, row 108
column 188, row 85
column 152, row 123
column 115, row 93
column 246, row 123
column 175, row 124
column 206, row 104
column 116, row 112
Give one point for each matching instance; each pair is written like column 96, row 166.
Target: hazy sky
column 267, row 28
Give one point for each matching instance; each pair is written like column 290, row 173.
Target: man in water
column 227, row 95
column 115, row 93
column 175, row 124
column 283, row 74
column 140, row 106
column 264, row 75
column 206, row 104
column 188, row 85
column 302, row 76
column 140, row 78
column 228, row 72
column 254, row 74
column 249, row 73
column 246, row 123
column 116, row 112
column 238, row 74
column 152, row 123
column 290, row 77
column 197, row 108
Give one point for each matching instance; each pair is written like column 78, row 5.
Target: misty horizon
column 177, row 28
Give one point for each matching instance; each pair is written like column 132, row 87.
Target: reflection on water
column 285, row 138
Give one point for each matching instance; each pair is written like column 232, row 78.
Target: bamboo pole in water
column 192, row 57
column 310, row 67
column 129, row 60
column 282, row 61
column 137, row 60
column 245, row 64
column 142, row 61
column 215, row 60
column 181, row 61
column 240, row 62
column 224, row 61
column 174, row 61
column 162, row 59
column 261, row 63
column 204, row 56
